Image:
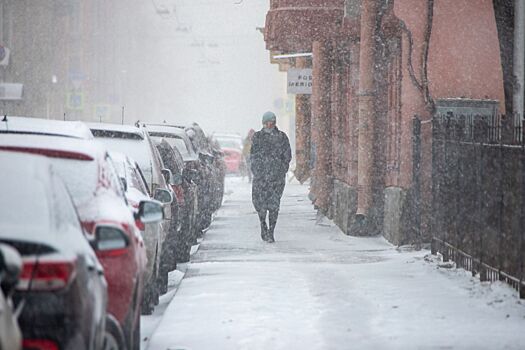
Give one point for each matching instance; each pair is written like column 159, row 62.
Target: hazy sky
column 213, row 64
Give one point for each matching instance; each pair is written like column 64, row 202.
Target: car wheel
column 147, row 304
column 150, row 297
column 113, row 338
column 163, row 281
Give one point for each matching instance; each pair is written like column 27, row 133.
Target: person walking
column 270, row 158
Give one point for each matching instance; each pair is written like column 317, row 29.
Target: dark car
column 194, row 174
column 198, row 157
column 62, row 285
column 185, row 194
column 213, row 158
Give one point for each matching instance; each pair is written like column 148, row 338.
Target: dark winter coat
column 270, row 158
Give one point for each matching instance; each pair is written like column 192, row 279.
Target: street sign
column 102, row 113
column 75, row 101
column 300, row 81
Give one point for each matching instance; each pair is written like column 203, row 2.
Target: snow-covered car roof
column 98, row 130
column 34, row 206
column 27, row 125
column 174, row 129
column 73, row 147
column 134, row 142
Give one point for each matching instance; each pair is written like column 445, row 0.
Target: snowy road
column 316, row 288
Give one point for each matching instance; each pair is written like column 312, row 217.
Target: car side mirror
column 150, row 211
column 163, row 196
column 167, row 175
column 124, row 183
column 10, row 268
column 109, row 238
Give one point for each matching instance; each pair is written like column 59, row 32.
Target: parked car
column 38, row 126
column 196, row 171
column 136, row 190
column 185, row 194
column 219, row 168
column 135, row 143
column 62, row 285
column 10, row 268
column 96, row 190
column 212, row 158
column 231, row 146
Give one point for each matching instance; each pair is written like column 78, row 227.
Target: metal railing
column 478, row 177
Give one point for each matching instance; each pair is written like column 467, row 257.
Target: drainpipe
column 519, row 61
column 366, row 109
column 302, row 130
column 321, row 124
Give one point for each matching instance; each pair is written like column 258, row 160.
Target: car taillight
column 46, row 275
column 39, row 344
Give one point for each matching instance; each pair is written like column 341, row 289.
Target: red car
column 233, row 160
column 97, row 193
column 231, row 146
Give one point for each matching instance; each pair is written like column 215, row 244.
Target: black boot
column 264, row 227
column 272, row 217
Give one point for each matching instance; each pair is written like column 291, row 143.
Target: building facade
column 382, row 68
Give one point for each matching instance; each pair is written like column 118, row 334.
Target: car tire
column 150, row 298
column 113, row 337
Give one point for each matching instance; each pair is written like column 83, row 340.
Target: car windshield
column 24, row 211
column 174, row 141
column 230, row 143
column 80, row 176
column 137, row 149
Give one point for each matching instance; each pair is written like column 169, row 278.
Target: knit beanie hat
column 269, row 117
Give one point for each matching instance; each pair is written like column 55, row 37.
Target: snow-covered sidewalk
column 316, row 288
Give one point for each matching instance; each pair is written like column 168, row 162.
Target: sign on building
column 10, row 91
column 300, row 81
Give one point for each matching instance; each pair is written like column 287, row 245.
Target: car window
column 230, row 143
column 137, row 180
column 169, row 158
column 80, row 177
column 111, row 174
column 29, row 207
column 136, row 149
column 65, row 214
column 141, row 175
column 174, row 141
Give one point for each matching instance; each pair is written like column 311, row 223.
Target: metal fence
column 478, row 178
